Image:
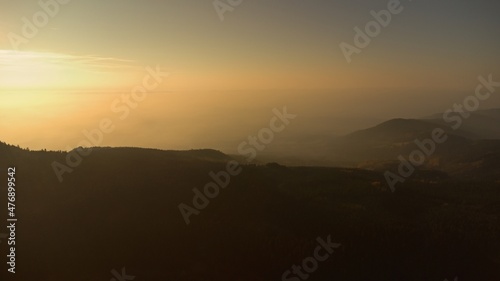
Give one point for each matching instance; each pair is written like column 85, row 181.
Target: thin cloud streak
column 52, row 70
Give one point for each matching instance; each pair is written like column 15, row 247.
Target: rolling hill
column 120, row 208
column 472, row 150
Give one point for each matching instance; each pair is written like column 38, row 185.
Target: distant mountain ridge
column 472, row 149
column 484, row 124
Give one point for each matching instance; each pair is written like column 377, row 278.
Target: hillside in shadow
column 120, row 208
column 470, row 148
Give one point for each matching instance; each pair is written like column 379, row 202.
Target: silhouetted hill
column 120, row 208
column 7, row 148
column 387, row 140
column 481, row 124
column 473, row 150
column 195, row 154
column 380, row 145
column 394, row 130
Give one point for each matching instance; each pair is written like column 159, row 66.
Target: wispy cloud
column 15, row 58
column 42, row 69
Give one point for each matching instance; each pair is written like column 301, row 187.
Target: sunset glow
column 230, row 65
column 21, row 70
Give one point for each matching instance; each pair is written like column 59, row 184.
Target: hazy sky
column 426, row 59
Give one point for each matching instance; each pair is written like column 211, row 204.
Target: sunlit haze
column 225, row 77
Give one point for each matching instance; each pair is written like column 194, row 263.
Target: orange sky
column 65, row 77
